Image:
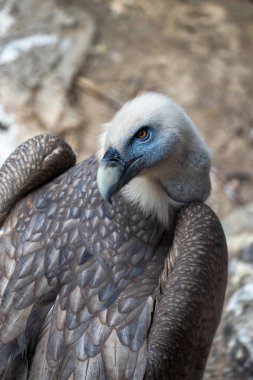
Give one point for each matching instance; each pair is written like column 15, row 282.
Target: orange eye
column 142, row 133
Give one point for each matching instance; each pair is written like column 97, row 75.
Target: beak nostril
column 112, row 157
column 115, row 160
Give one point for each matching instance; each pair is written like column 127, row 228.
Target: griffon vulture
column 113, row 268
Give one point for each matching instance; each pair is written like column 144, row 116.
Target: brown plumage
column 91, row 290
column 36, row 162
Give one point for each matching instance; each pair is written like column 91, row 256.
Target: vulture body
column 128, row 290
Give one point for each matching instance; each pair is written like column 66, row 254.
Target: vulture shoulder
column 93, row 291
column 31, row 165
column 189, row 305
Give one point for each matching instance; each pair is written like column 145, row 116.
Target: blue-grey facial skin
column 118, row 168
column 147, row 148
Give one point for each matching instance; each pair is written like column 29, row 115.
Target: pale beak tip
column 107, row 181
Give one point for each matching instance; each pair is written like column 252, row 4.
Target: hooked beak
column 114, row 172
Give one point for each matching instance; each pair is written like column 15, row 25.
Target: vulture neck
column 150, row 196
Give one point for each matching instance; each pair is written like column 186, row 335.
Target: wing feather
column 32, row 164
column 92, row 281
column 192, row 294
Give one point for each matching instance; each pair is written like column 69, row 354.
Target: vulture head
column 153, row 152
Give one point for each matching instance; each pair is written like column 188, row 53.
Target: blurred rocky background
column 66, row 66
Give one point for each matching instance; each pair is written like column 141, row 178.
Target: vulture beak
column 114, row 172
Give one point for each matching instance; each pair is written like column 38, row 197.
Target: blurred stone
column 6, row 20
column 40, row 56
column 238, row 228
column 99, row 49
column 118, row 7
column 238, row 328
column 7, row 142
column 8, row 134
column 240, row 273
column 251, row 134
column 237, row 323
column 246, row 253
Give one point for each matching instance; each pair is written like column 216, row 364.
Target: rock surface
column 238, row 313
column 42, row 48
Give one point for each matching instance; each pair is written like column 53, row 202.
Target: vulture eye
column 142, row 134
